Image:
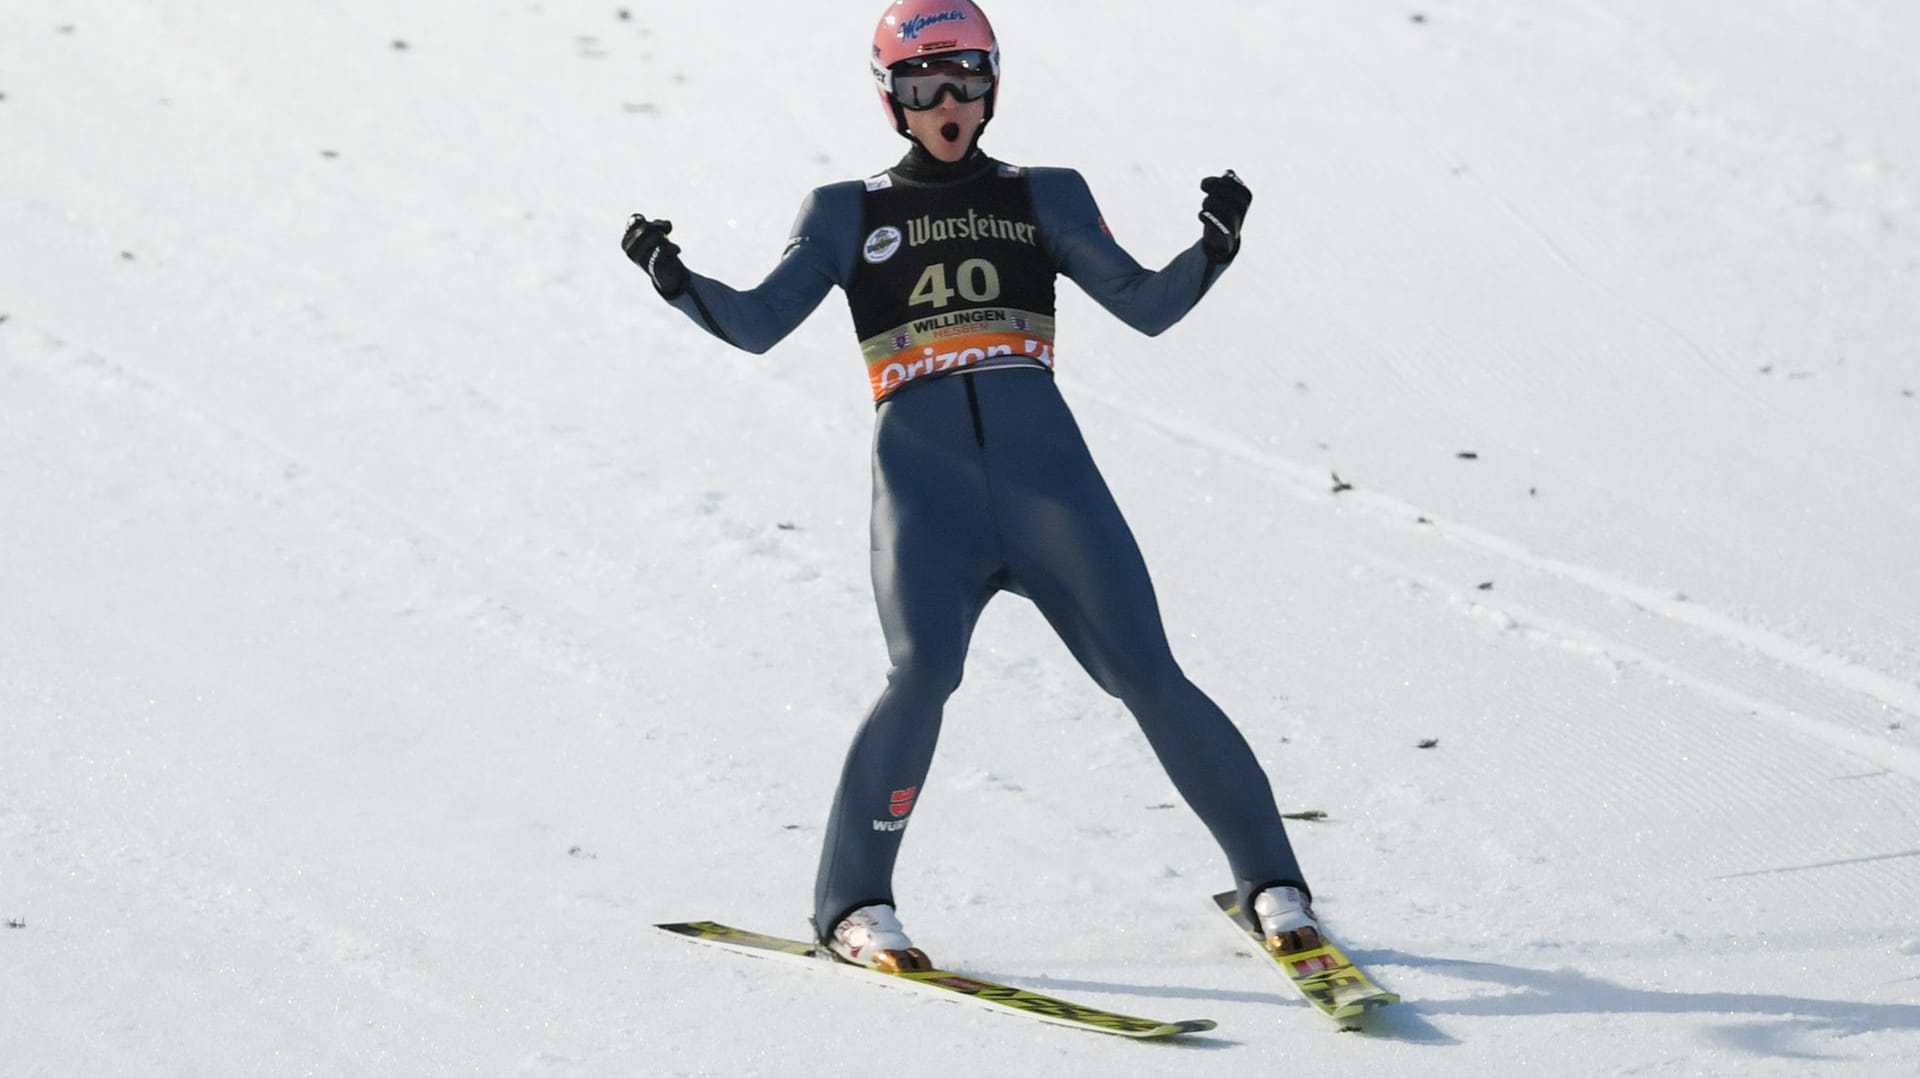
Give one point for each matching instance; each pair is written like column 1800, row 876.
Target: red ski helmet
column 923, row 29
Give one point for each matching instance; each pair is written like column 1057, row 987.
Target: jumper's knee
column 926, row 676
column 1145, row 685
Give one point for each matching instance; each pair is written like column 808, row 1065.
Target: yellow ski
column 1325, row 975
column 953, row 985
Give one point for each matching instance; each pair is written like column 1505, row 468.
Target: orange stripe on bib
column 968, row 340
column 979, row 351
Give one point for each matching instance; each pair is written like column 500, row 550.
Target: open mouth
column 950, row 131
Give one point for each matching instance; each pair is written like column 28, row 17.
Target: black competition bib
column 951, row 278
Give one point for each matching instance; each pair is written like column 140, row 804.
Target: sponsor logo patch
column 914, row 27
column 882, row 243
column 901, row 802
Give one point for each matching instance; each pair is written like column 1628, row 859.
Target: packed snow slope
column 402, row 609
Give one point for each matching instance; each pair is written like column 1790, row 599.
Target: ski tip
column 1362, row 1007
column 697, row 928
column 1174, row 1029
column 1194, row 1025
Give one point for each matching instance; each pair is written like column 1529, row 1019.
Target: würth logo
column 901, row 802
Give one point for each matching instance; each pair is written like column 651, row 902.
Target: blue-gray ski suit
column 982, row 483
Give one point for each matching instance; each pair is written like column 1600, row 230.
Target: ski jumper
column 982, row 482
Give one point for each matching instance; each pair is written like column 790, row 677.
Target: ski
column 952, row 985
column 1327, row 977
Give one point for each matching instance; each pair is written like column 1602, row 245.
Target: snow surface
column 402, row 609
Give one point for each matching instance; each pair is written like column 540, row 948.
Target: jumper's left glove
column 1221, row 215
column 647, row 244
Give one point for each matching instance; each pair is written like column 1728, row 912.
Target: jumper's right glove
column 647, row 244
column 1221, row 215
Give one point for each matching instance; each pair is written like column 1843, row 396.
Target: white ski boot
column 1287, row 920
column 871, row 936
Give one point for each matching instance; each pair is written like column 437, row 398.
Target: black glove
column 647, row 244
column 1221, row 215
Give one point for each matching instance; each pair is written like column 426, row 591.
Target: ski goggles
column 920, row 83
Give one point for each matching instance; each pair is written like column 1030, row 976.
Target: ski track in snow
column 1848, row 680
